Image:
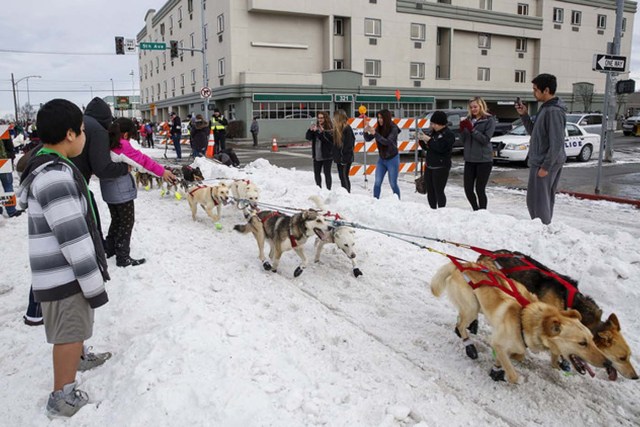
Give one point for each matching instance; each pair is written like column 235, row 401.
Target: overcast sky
column 87, row 26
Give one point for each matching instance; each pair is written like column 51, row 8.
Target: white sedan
column 514, row 146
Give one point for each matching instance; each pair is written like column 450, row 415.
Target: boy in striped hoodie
column 68, row 264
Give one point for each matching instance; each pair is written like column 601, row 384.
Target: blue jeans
column 176, row 143
column 7, row 185
column 392, row 166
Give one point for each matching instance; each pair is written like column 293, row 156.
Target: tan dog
column 209, row 197
column 548, row 288
column 284, row 233
column 246, row 195
column 538, row 326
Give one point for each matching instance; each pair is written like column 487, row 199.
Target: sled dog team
column 526, row 304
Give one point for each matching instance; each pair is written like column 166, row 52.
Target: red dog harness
column 200, row 187
column 512, row 290
column 292, row 239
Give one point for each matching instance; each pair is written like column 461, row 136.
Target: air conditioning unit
column 557, row 26
column 576, row 29
column 417, row 83
column 600, row 32
column 521, row 55
column 220, row 38
column 373, row 41
column 417, row 45
column 373, row 82
column 221, row 82
column 418, row 6
column 483, row 52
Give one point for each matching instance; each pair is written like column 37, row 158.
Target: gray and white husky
column 284, row 232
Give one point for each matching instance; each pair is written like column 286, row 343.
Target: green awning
column 392, row 98
column 291, row 97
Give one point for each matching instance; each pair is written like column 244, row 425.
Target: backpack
column 148, row 129
column 421, row 184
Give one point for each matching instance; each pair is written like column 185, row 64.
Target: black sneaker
column 30, row 322
column 130, row 262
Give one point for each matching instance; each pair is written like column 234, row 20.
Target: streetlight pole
column 15, row 85
column 113, row 95
column 205, row 74
column 15, row 102
column 133, row 91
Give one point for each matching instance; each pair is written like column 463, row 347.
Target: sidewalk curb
column 614, row 199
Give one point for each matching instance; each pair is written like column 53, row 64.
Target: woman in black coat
column 343, row 142
column 199, row 136
column 439, row 147
column 320, row 134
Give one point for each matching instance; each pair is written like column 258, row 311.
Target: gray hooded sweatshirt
column 546, row 148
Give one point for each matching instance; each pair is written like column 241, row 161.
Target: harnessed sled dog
column 283, row 232
column 518, row 320
column 562, row 291
column 209, row 197
column 246, row 195
column 342, row 236
column 146, row 180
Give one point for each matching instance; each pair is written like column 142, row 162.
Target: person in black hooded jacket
column 439, row 147
column 95, row 158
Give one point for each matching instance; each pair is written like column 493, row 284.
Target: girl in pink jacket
column 119, row 193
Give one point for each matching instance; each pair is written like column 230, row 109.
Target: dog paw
column 298, row 272
column 357, row 272
column 473, row 327
column 471, row 351
column 456, row 331
column 497, row 374
column 267, row 266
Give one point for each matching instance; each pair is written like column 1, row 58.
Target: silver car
column 629, row 125
column 590, row 122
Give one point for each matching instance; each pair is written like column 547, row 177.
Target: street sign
column 342, row 98
column 130, row 45
column 205, row 92
column 625, row 86
column 609, row 63
column 122, row 103
column 152, row 46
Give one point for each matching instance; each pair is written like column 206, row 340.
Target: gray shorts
column 69, row 320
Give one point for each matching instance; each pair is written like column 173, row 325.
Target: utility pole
column 205, row 74
column 15, row 102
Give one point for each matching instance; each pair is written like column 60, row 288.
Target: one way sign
column 609, row 63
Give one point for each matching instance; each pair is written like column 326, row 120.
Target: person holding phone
column 386, row 136
column 439, row 147
column 546, row 148
column 320, row 133
column 476, row 131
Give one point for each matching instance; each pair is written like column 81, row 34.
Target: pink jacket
column 129, row 155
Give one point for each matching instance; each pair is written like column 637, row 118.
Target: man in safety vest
column 219, row 127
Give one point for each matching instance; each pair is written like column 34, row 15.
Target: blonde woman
column 343, row 142
column 476, row 132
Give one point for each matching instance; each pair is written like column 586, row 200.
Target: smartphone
column 518, row 101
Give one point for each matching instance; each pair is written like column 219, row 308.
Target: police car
column 514, row 146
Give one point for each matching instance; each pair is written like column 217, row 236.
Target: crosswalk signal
column 119, row 45
column 174, row 48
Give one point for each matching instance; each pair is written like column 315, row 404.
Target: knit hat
column 439, row 118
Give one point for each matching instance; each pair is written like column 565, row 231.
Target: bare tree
column 27, row 111
column 583, row 91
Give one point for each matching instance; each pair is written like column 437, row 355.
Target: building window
column 523, row 9
column 624, row 24
column 206, row 35
column 170, row 25
column 145, row 71
column 165, row 89
column 483, row 74
column 157, row 64
column 190, row 6
column 193, row 42
column 444, row 1
column 484, row 41
column 417, row 70
column 338, row 27
column 521, row 76
column 576, row 17
column 418, row 32
column 602, row 21
column 372, row 27
column 220, row 26
column 521, row 45
column 181, row 44
column 486, row 4
column 180, row 16
column 182, row 81
column 220, row 67
column 558, row 15
column 338, row 64
column 162, row 30
column 193, row 76
column 372, row 68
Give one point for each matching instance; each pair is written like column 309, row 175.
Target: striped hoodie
column 65, row 254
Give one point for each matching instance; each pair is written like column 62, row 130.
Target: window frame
column 338, row 27
column 523, row 9
column 220, row 23
column 487, row 38
column 420, row 68
column 422, row 30
column 376, row 63
column 486, row 4
column 520, row 76
column 376, row 23
column 486, row 72
column 221, row 67
column 576, row 14
column 558, row 15
column 601, row 25
column 521, row 44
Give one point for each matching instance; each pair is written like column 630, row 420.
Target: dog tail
column 317, row 201
column 249, row 227
column 440, row 280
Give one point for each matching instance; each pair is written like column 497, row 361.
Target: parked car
column 453, row 118
column 514, row 146
column 629, row 125
column 591, row 122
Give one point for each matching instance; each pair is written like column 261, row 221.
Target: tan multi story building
column 284, row 60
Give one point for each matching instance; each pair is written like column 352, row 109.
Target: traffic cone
column 210, row 146
column 274, row 145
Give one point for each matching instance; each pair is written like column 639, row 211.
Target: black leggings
column 477, row 175
column 343, row 173
column 325, row 166
column 436, row 180
column 119, row 237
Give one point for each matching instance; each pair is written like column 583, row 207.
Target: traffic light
column 119, row 45
column 174, row 48
column 625, row 86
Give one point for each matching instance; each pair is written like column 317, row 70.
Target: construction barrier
column 406, row 142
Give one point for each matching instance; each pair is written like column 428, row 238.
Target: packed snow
column 202, row 335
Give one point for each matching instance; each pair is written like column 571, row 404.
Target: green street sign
column 152, row 46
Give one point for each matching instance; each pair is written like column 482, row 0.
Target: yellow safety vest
column 215, row 125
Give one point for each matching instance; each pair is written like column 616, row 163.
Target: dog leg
column 502, row 359
column 319, row 244
column 298, row 271
column 194, row 207
column 275, row 255
column 209, row 211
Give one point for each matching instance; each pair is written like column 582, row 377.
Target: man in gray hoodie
column 546, row 148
